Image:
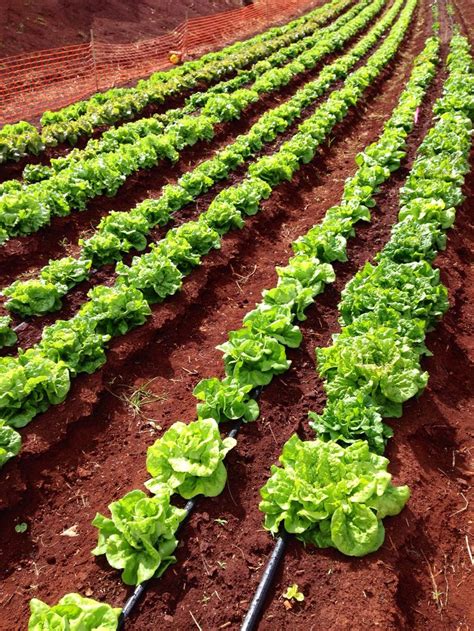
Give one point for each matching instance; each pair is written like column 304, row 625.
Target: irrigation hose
column 256, row 606
column 139, row 590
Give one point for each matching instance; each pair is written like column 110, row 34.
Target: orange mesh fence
column 50, row 79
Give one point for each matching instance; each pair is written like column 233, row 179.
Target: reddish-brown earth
column 15, row 169
column 25, row 254
column 30, row 25
column 90, row 450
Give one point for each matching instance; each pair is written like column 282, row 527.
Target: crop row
column 19, row 140
column 106, row 108
column 161, row 85
column 26, row 209
column 120, row 232
column 41, row 375
column 206, row 101
column 335, row 490
column 188, row 458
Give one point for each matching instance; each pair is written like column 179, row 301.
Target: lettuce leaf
column 188, row 459
column 225, row 400
column 10, row 443
column 378, row 363
column 331, row 496
column 140, row 536
column 253, row 358
column 73, row 613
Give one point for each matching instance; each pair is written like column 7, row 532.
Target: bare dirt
column 24, row 256
column 30, row 25
column 90, row 450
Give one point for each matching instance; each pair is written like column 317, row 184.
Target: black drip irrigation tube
column 140, row 590
column 254, row 612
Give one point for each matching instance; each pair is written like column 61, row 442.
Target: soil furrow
column 24, row 255
column 14, row 170
column 73, row 469
column 30, row 331
column 275, row 223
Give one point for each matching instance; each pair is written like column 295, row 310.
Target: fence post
column 184, row 45
column 94, row 61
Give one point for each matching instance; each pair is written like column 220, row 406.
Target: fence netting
column 50, row 79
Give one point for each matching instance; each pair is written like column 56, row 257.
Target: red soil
column 88, row 451
column 25, row 255
column 29, row 25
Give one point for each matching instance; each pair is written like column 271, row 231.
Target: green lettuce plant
column 325, row 241
column 201, row 237
column 307, row 271
column 413, row 241
column 293, row 593
column 178, row 250
column 412, row 330
column 332, row 496
column 195, row 183
column 19, row 140
column 290, row 293
column 10, row 443
column 115, row 310
column 432, row 210
column 276, row 168
column 188, row 458
column 379, row 363
column 412, row 289
column 426, row 188
column 351, row 418
column 66, row 272
column 246, row 197
column 29, row 384
column 153, row 274
column 76, row 343
column 226, row 107
column 8, row 336
column 130, row 228
column 32, row 297
column 253, row 358
column 276, row 321
column 225, row 399
column 102, row 248
column 222, row 216
column 139, row 538
column 73, row 613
